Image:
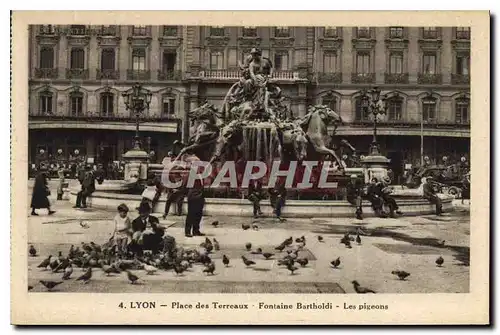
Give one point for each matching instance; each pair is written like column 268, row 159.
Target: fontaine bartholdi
column 254, row 136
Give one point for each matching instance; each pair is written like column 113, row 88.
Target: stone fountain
column 254, row 124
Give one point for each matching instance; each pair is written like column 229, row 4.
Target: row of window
column 395, row 109
column 461, row 33
column 107, row 107
column 429, row 62
column 107, row 104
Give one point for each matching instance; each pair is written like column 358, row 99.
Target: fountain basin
column 410, row 205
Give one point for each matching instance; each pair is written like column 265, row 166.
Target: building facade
column 78, row 73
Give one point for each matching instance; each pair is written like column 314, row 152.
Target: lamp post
column 137, row 99
column 373, row 104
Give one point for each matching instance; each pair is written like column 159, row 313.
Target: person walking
column 196, row 203
column 39, row 198
column 62, row 181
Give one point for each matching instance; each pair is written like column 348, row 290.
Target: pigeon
column 335, row 263
column 84, row 225
column 320, row 238
column 67, row 272
column 248, row 246
column 281, row 247
column 440, row 261
column 302, row 261
column 45, row 262
column 30, row 287
column 149, row 269
column 245, row 226
column 348, row 244
column 86, row 276
column 401, row 274
column 215, row 224
column 301, row 239
column 32, row 251
column 267, row 255
column 358, row 239
column 72, row 251
column 216, row 245
column 179, row 269
column 95, row 247
column 291, row 268
column 361, row 290
column 209, row 248
column 132, row 278
column 247, row 261
column 286, row 261
column 258, row 251
column 50, row 284
column 210, row 268
column 109, row 269
column 288, row 241
column 255, row 227
column 205, row 259
column 225, row 260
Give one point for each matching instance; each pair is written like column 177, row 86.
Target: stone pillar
column 380, row 63
column 62, row 57
column 414, row 54
column 156, row 52
column 447, row 60
column 347, row 58
column 123, row 52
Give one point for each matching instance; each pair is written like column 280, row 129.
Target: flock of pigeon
column 89, row 256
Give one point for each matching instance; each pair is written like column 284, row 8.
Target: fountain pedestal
column 136, row 165
column 375, row 164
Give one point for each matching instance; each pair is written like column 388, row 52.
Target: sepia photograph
column 248, row 159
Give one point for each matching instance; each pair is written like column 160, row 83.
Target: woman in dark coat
column 40, row 199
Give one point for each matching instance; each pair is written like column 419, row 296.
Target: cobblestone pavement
column 406, row 243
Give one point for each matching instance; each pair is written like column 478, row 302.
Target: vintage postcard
column 251, row 167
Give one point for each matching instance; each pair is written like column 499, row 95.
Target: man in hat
column 87, row 181
column 146, row 231
column 388, row 199
column 354, row 195
column 196, row 203
column 430, row 193
column 374, row 191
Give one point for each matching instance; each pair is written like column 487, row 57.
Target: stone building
column 77, row 74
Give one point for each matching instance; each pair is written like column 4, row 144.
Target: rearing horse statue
column 315, row 124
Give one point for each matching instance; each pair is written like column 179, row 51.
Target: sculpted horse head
column 230, row 136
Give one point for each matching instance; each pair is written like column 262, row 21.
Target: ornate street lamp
column 372, row 104
column 137, row 99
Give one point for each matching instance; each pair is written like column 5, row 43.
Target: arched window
column 76, row 103
column 45, row 103
column 395, row 108
column 429, row 109
column 107, row 103
column 361, row 112
column 462, row 110
column 77, row 58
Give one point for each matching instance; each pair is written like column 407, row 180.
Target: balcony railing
column 47, row 30
column 77, row 74
column 107, row 74
column 235, row 75
column 333, row 77
column 107, row 31
column 460, row 79
column 169, row 75
column 410, row 124
column 363, row 78
column 138, row 75
column 79, row 31
column 95, row 117
column 46, row 73
column 396, row 78
column 427, row 78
